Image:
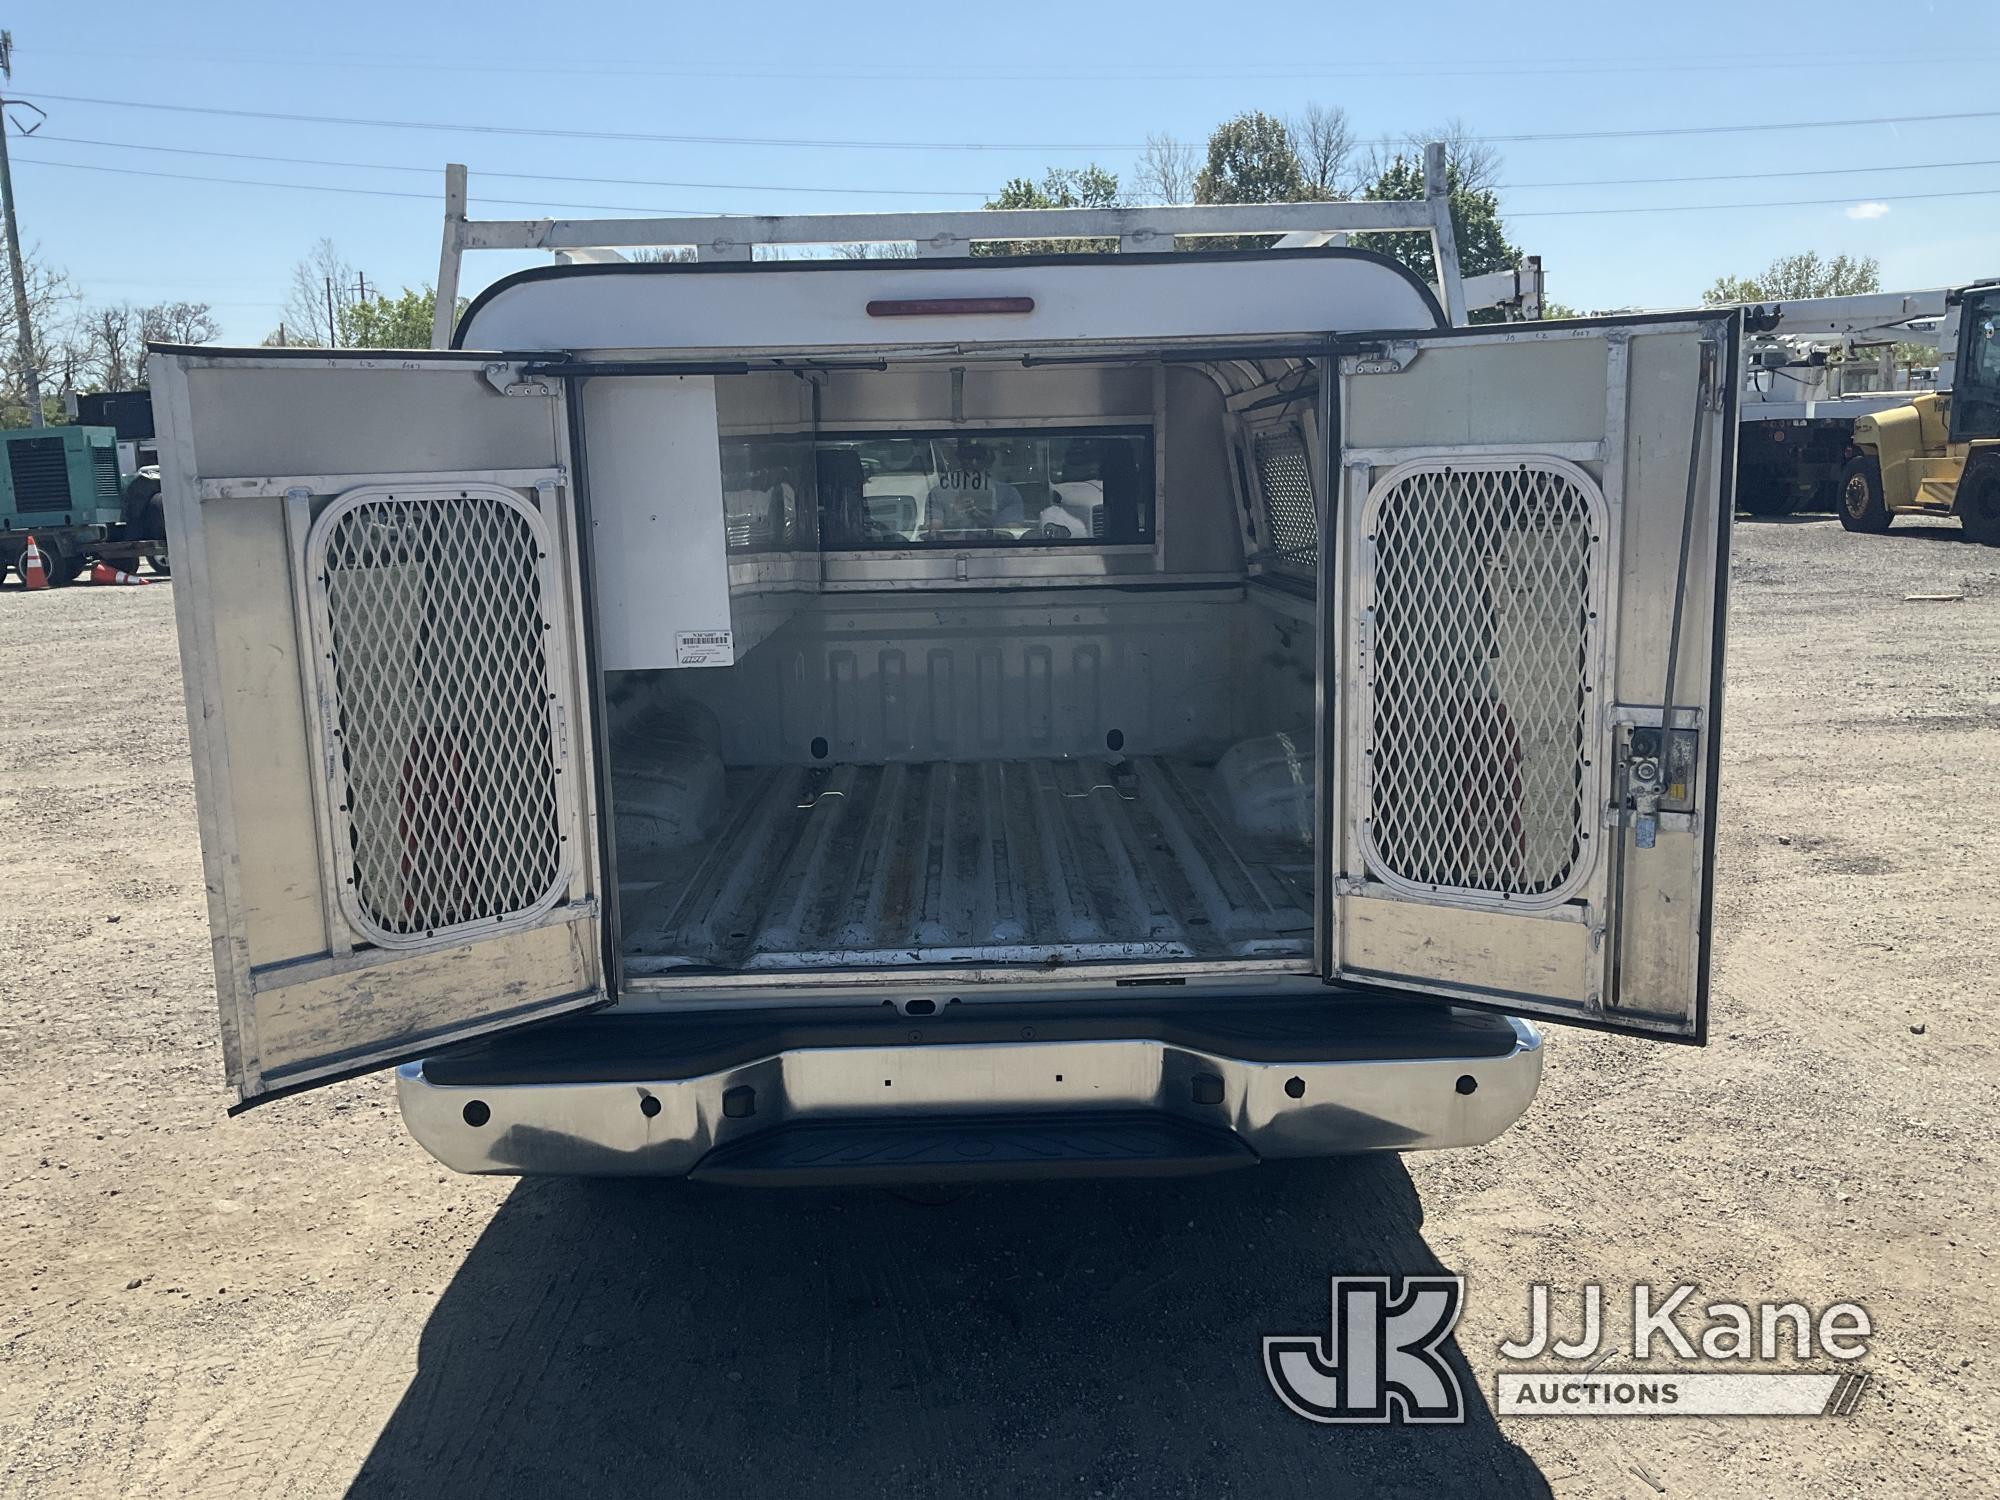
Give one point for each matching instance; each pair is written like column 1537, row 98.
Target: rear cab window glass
column 985, row 489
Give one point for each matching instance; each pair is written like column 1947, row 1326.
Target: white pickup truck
column 577, row 733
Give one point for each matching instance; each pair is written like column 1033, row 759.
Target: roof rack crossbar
column 955, row 232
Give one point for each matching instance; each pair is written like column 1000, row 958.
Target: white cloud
column 1867, row 210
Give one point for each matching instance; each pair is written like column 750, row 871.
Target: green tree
column 1252, row 159
column 384, row 322
column 1475, row 225
column 1060, row 187
column 1791, row 277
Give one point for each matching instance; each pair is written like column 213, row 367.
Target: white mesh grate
column 1291, row 521
column 1482, row 582
column 435, row 646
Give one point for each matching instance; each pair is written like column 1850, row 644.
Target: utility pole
column 332, row 327
column 31, row 376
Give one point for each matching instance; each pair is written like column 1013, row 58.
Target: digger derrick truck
column 1812, row 368
column 1937, row 453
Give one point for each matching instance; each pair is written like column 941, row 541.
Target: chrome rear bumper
column 1326, row 1101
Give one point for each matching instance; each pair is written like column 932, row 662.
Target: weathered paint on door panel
column 255, row 455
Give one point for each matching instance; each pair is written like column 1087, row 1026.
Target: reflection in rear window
column 957, row 489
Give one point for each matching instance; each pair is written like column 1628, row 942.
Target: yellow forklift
column 1937, row 454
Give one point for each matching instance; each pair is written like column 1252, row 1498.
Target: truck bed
column 998, row 861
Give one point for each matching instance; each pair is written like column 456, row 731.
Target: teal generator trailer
column 61, row 485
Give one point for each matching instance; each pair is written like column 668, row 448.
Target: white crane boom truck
column 779, row 721
column 1811, row 368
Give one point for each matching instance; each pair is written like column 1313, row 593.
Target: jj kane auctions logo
column 1381, row 1359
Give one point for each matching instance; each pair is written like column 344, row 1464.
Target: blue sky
column 1099, row 75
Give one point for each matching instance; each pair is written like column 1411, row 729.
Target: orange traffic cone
column 104, row 573
column 34, row 567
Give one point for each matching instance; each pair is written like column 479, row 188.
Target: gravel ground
column 300, row 1302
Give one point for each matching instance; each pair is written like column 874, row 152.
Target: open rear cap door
column 1529, row 561
column 381, row 633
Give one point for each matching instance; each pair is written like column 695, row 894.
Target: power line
column 1696, row 208
column 1908, row 166
column 1666, row 130
column 626, row 208
column 383, row 166
column 771, row 187
column 555, row 133
column 837, row 71
column 326, row 187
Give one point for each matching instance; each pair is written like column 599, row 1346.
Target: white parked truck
column 1813, row 367
column 667, row 728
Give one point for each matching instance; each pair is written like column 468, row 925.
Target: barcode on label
column 704, row 648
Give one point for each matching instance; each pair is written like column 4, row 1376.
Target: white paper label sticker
column 704, row 648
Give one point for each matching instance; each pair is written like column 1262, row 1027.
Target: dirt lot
column 301, row 1302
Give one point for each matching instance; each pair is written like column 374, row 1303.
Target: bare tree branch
column 1473, row 165
column 1167, row 171
column 116, row 346
column 59, row 347
column 104, row 349
column 178, row 323
column 1325, row 139
column 306, row 310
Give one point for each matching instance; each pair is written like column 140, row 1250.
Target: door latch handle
column 1643, row 779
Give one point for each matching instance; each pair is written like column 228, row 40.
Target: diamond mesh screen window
column 1291, row 520
column 435, row 644
column 1484, row 584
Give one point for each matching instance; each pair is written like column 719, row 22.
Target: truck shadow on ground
column 1927, row 529
column 628, row 1337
